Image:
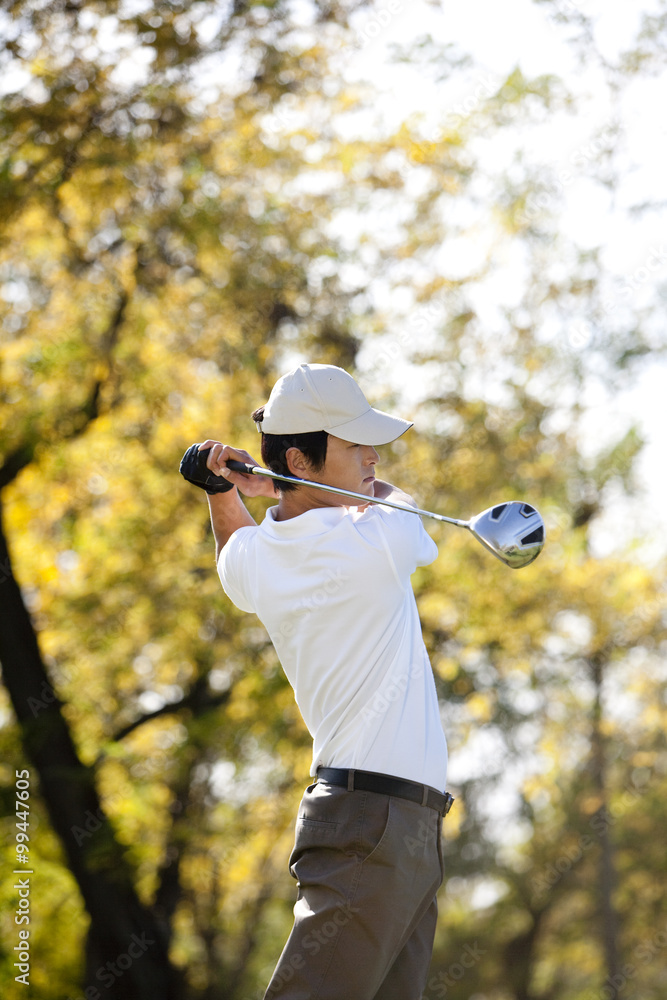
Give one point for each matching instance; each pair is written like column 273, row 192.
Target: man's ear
column 297, row 463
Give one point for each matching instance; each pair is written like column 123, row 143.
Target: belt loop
column 425, row 795
column 350, row 780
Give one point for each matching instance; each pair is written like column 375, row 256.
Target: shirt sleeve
column 409, row 542
column 234, row 568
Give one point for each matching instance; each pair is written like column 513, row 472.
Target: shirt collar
column 312, row 522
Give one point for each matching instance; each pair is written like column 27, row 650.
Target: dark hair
column 312, row 445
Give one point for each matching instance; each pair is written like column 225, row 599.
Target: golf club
column 513, row 531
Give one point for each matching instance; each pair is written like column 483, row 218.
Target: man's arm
column 228, row 512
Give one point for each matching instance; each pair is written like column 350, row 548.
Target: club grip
column 239, row 466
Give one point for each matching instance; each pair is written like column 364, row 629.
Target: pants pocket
column 334, row 824
column 377, row 829
column 317, row 828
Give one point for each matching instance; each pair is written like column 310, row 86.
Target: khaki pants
column 368, row 867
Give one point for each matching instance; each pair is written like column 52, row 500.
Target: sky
column 634, row 248
column 499, row 37
column 521, row 33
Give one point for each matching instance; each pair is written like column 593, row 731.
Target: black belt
column 370, row 781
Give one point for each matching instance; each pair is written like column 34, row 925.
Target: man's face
column 349, row 466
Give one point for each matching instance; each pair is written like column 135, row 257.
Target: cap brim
column 373, row 427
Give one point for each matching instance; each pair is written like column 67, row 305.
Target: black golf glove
column 193, row 468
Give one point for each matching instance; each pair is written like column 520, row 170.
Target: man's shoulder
column 240, row 541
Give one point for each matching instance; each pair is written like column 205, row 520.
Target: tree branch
column 24, row 453
column 198, row 700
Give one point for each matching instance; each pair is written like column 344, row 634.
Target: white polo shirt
column 332, row 588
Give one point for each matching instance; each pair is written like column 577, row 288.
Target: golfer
column 330, row 581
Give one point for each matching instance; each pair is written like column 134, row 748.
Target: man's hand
column 194, row 470
column 205, row 466
column 219, row 454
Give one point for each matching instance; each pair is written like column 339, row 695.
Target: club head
column 513, row 531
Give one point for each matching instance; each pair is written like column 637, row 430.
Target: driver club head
column 513, row 531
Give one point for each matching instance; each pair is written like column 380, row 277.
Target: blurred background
column 462, row 205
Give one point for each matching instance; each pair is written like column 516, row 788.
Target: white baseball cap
column 326, row 398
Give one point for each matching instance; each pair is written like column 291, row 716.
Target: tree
column 162, row 259
column 113, row 228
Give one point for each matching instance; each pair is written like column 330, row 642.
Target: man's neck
column 297, row 502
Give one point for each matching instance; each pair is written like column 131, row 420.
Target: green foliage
column 160, row 260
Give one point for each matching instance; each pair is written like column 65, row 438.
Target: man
column 330, row 580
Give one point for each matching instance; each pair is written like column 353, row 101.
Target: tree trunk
column 607, row 883
column 127, row 951
column 519, row 958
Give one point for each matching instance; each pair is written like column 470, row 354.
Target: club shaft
column 257, row 470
